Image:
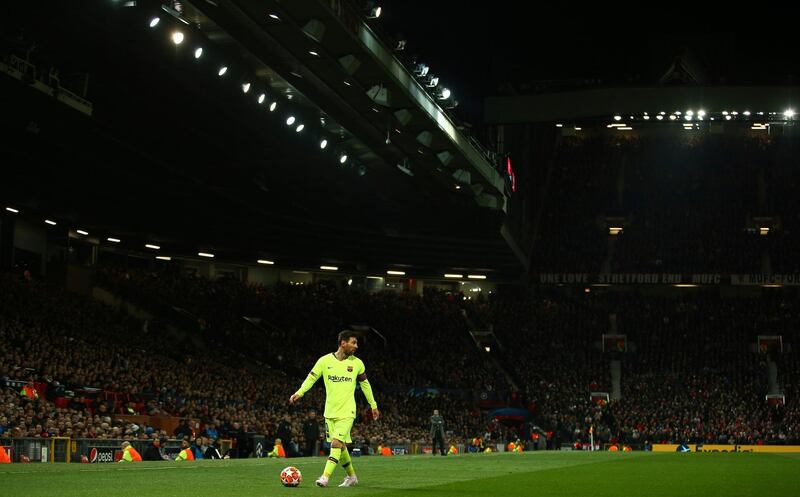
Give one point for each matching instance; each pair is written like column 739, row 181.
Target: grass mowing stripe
column 706, row 475
column 254, row 477
column 540, row 474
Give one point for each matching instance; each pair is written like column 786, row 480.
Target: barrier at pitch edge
column 775, row 449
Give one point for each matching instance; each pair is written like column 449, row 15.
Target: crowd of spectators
column 691, row 371
column 288, row 322
column 90, row 363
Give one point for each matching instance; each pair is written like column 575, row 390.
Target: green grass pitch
column 529, row 474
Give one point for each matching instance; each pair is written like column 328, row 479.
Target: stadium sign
column 605, row 279
column 104, row 454
column 766, row 279
column 611, row 279
column 729, row 448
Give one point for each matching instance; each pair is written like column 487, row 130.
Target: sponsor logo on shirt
column 338, row 379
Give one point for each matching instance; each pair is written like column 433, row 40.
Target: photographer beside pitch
column 340, row 370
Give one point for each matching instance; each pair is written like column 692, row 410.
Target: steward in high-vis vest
column 29, row 391
column 277, row 450
column 453, row 450
column 129, row 454
column 186, row 453
column 4, row 457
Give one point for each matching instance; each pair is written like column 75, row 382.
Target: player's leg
column 335, row 453
column 343, row 427
column 347, row 462
column 334, row 457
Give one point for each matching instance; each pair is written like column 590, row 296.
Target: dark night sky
column 477, row 46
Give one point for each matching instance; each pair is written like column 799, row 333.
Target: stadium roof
column 177, row 155
column 653, row 100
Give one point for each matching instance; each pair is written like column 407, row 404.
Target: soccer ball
column 291, row 477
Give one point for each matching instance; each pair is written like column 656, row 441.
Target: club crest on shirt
column 349, row 369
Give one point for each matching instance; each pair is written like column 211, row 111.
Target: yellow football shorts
column 339, row 429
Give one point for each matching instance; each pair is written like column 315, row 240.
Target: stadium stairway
column 545, row 189
column 616, row 380
column 497, row 354
column 772, row 378
column 175, row 328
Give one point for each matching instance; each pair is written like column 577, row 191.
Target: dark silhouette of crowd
column 691, row 203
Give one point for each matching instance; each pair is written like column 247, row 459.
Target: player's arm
column 367, row 389
column 313, row 376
